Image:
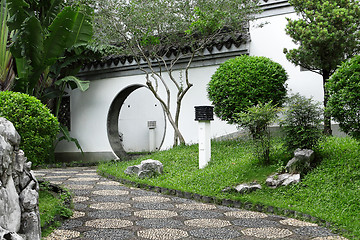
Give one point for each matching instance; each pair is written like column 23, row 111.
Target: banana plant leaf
column 18, row 13
column 5, row 55
column 69, row 28
column 74, row 82
column 66, row 136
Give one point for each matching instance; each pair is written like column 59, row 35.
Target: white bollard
column 204, row 114
column 204, row 143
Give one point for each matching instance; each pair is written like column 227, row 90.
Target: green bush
column 257, row 120
column 302, row 122
column 244, row 82
column 344, row 100
column 34, row 122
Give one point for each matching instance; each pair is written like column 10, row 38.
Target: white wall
column 139, row 108
column 270, row 41
column 89, row 110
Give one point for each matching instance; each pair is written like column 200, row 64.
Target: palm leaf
column 59, row 32
column 18, row 13
column 66, row 136
column 52, row 11
column 31, row 41
column 82, row 30
column 74, row 81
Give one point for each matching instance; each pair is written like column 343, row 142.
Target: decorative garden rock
column 247, row 188
column 147, row 168
column 284, row 179
column 301, row 161
column 244, row 188
column 19, row 211
column 5, row 234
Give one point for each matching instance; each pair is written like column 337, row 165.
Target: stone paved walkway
column 106, row 209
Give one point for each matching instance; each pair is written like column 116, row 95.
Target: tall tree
column 160, row 33
column 327, row 33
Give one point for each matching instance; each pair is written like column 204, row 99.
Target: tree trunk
column 327, row 116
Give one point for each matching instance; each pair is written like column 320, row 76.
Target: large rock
column 247, row 187
column 6, row 234
column 244, row 188
column 19, row 211
column 301, row 161
column 284, row 179
column 147, row 168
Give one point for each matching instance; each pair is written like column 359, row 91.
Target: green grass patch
column 52, row 208
column 331, row 191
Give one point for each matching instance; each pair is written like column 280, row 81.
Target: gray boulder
column 147, row 168
column 244, row 188
column 284, row 179
column 247, row 187
column 301, row 161
column 19, row 210
column 6, row 234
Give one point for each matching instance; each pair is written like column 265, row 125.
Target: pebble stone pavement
column 105, row 209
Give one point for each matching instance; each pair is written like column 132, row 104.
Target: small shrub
column 34, row 122
column 344, row 100
column 302, row 122
column 244, row 82
column 257, row 120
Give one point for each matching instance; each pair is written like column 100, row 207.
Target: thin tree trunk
column 327, row 116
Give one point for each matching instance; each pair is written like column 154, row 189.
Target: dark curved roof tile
column 223, row 40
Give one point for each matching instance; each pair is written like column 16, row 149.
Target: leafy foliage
column 302, row 122
column 44, row 31
column 50, row 43
column 37, row 127
column 327, row 33
column 344, row 100
column 244, row 82
column 257, row 120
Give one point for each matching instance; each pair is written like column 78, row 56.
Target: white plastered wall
column 89, row 109
column 270, row 41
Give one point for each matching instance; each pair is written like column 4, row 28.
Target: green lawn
column 52, row 209
column 331, row 191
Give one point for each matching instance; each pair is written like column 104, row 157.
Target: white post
column 204, row 114
column 204, row 143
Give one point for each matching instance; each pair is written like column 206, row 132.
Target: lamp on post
column 204, row 114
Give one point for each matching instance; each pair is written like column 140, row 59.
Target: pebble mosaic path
column 105, row 209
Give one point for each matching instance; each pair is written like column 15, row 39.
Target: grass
column 331, row 191
column 52, row 208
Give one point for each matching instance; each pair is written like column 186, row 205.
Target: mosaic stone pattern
column 105, row 209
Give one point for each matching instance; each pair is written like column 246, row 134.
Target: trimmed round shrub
column 244, row 82
column 37, row 127
column 344, row 99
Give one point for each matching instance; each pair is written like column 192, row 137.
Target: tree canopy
column 161, row 32
column 327, row 33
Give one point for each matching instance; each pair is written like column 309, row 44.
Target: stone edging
column 228, row 202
